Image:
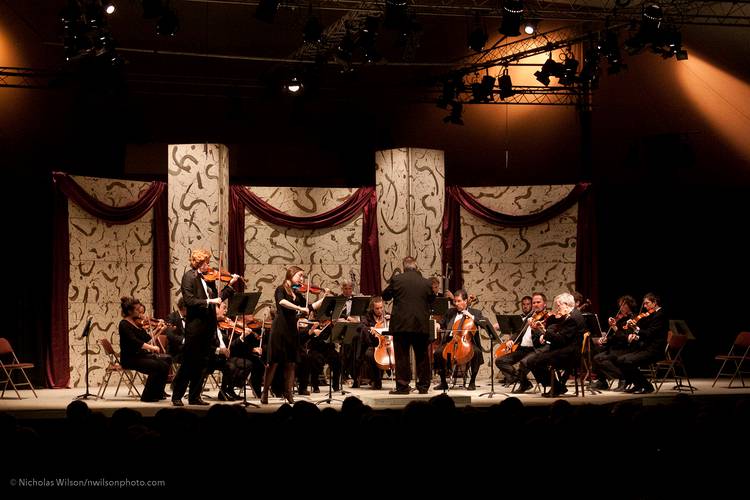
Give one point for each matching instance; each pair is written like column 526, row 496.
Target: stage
column 53, row 402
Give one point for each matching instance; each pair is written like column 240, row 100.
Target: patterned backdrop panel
column 410, row 184
column 106, row 262
column 328, row 255
column 198, row 196
column 501, row 265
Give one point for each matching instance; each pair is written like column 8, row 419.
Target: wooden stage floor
column 52, row 403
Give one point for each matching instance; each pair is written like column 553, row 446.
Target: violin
column 220, row 274
column 504, row 350
column 635, row 320
column 304, row 288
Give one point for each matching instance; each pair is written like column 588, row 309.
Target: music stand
column 239, row 305
column 592, row 324
column 591, row 320
column 337, row 334
column 439, row 306
column 679, row 326
column 360, row 304
column 85, row 335
column 487, row 325
column 510, row 324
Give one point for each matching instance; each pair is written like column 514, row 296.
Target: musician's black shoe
column 303, row 392
column 177, row 402
column 355, row 384
column 400, row 391
column 621, row 386
column 600, row 385
column 471, row 387
column 316, row 389
column 423, row 390
column 551, row 394
column 522, row 387
column 376, row 387
column 198, row 402
column 646, row 389
column 632, row 389
column 441, row 387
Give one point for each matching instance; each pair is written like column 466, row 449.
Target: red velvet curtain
column 457, row 198
column 364, row 199
column 58, row 359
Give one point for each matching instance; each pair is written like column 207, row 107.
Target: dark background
column 671, row 191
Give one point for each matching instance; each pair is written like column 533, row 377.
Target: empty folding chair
column 9, row 363
column 673, row 366
column 737, row 355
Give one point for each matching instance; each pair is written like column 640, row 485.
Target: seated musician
column 527, row 340
column 646, row 343
column 454, row 318
column 221, row 359
column 351, row 354
column 375, row 318
column 246, row 349
column 139, row 352
column 176, row 331
column 611, row 345
column 562, row 337
column 437, row 288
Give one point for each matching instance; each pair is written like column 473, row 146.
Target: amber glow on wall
column 720, row 97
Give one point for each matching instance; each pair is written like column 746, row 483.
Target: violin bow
column 606, row 334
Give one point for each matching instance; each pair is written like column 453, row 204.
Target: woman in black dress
column 138, row 353
column 283, row 342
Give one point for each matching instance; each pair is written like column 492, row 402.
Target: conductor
column 411, row 294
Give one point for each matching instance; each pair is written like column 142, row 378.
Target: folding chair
column 672, row 362
column 738, row 354
column 114, row 366
column 9, row 363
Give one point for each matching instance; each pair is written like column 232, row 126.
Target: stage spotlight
column 313, row 31
column 294, row 86
column 266, row 10
column 109, row 7
column 530, row 27
column 550, row 68
column 478, row 38
column 569, row 68
column 512, row 13
column 505, row 85
column 168, row 24
column 482, row 91
column 455, row 116
column 345, row 48
column 152, row 9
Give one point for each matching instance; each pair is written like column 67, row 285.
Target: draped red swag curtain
column 364, row 200
column 58, row 359
column 457, row 198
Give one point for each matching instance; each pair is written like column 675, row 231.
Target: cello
column 460, row 349
column 384, row 355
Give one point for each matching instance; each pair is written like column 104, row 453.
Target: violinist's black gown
column 283, row 343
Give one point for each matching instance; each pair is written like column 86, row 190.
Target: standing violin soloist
column 283, row 342
column 201, row 299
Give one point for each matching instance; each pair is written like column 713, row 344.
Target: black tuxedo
column 646, row 350
column 410, row 323
column 563, row 341
column 200, row 333
column 175, row 336
column 446, row 325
